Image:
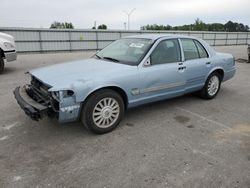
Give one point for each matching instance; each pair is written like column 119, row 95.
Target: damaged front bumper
column 10, row 55
column 68, row 110
column 32, row 108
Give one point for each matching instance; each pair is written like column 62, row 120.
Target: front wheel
column 102, row 111
column 212, row 86
column 1, row 64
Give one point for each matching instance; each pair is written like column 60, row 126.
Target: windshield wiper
column 111, row 59
column 98, row 56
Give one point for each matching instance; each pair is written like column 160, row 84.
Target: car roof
column 155, row 37
column 158, row 36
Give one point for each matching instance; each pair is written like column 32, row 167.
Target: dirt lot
column 184, row 142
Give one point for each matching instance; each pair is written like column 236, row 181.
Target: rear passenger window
column 190, row 49
column 201, row 49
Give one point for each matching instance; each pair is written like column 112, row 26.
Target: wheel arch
column 221, row 73
column 117, row 89
column 219, row 70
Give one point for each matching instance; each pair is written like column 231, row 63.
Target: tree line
column 69, row 25
column 199, row 25
column 61, row 25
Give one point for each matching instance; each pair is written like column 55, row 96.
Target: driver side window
column 167, row 51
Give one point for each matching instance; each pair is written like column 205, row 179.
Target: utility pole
column 95, row 25
column 129, row 14
column 125, row 25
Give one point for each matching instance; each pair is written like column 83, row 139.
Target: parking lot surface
column 183, row 142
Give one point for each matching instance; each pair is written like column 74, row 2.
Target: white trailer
column 7, row 49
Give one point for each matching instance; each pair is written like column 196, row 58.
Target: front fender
column 83, row 94
column 125, row 82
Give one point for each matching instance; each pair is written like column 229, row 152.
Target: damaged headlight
column 58, row 95
column 55, row 95
column 68, row 93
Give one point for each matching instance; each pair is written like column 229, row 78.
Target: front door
column 164, row 77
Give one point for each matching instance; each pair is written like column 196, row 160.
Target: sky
column 83, row 13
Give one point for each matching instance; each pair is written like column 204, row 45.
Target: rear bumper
column 229, row 74
column 10, row 55
column 32, row 108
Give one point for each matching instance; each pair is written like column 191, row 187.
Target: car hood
column 82, row 71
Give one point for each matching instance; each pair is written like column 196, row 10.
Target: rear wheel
column 103, row 111
column 1, row 64
column 212, row 86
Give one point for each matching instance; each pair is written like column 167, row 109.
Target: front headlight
column 62, row 94
column 66, row 93
column 8, row 45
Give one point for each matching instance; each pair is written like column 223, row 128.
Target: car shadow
column 51, row 127
column 9, row 70
column 149, row 108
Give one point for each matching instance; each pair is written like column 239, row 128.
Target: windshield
column 128, row 51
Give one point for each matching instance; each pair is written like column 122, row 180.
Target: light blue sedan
column 129, row 72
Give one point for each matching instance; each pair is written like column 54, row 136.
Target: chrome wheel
column 106, row 112
column 213, row 85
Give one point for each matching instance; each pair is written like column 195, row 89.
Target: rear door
column 196, row 62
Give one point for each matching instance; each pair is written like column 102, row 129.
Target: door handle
column 181, row 68
column 208, row 63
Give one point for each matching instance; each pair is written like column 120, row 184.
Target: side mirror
column 147, row 62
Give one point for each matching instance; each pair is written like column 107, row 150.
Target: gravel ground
column 183, row 142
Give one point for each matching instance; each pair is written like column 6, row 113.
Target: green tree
column 156, row 27
column 102, row 26
column 230, row 26
column 235, row 27
column 199, row 25
column 61, row 25
column 215, row 27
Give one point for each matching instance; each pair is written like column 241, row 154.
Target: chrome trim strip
column 161, row 87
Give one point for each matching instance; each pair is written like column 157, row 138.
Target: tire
column 1, row 64
column 212, row 86
column 103, row 111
